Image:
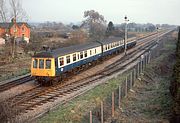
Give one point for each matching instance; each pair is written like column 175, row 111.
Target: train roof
column 67, row 50
column 111, row 40
column 75, row 48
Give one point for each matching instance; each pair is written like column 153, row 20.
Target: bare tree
column 96, row 24
column 17, row 11
column 3, row 11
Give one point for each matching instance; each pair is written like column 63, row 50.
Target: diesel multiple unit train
column 50, row 65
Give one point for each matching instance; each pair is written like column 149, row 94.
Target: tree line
column 175, row 84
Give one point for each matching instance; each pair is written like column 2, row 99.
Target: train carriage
column 48, row 65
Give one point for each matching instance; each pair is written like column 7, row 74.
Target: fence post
column 119, row 97
column 149, row 59
column 102, row 117
column 131, row 79
column 90, row 119
column 137, row 68
column 134, row 76
column 125, row 87
column 112, row 104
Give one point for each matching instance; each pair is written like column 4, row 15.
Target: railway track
column 13, row 83
column 41, row 95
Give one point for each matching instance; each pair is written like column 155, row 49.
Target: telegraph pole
column 157, row 35
column 125, row 37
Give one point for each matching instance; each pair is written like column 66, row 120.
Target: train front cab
column 43, row 68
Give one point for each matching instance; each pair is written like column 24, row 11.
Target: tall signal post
column 157, row 35
column 125, row 37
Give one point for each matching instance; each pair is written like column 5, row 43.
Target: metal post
column 125, row 37
column 112, row 104
column 119, row 97
column 90, row 117
column 137, row 69
column 102, row 117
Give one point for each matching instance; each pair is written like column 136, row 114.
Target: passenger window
column 48, row 64
column 74, row 57
column 81, row 55
column 68, row 59
column 35, row 63
column 90, row 52
column 85, row 53
column 41, row 63
column 78, row 55
column 95, row 51
column 106, row 47
column 61, row 61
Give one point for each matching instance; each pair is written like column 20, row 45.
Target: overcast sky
column 139, row 11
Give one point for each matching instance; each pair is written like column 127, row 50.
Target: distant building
column 21, row 30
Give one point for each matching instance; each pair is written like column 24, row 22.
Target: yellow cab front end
column 43, row 67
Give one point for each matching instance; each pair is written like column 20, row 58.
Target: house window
column 74, row 57
column 81, row 55
column 85, row 53
column 61, row 61
column 68, row 59
column 23, row 29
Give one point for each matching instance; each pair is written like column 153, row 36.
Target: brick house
column 20, row 30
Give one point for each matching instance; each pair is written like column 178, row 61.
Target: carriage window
column 41, row 63
column 78, row 55
column 85, row 53
column 81, row 55
column 95, row 51
column 35, row 63
column 61, row 61
column 74, row 57
column 90, row 52
column 48, row 64
column 68, row 59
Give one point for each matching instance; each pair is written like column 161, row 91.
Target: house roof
column 9, row 25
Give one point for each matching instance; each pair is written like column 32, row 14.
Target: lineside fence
column 108, row 107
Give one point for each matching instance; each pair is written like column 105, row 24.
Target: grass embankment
column 74, row 111
column 150, row 100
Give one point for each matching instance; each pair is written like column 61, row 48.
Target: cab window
column 74, row 57
column 61, row 61
column 68, row 59
column 35, row 63
column 41, row 63
column 81, row 55
column 48, row 64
